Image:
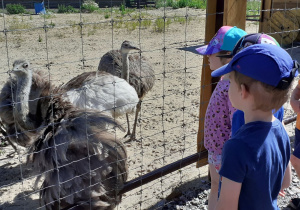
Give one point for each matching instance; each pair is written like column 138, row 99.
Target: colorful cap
column 250, row 39
column 224, row 39
column 269, row 64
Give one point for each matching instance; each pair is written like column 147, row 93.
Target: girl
column 219, row 112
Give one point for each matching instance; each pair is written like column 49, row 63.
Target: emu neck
column 125, row 65
column 22, row 101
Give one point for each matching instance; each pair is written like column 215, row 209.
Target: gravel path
column 197, row 199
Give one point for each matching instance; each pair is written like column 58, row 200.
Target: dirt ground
column 65, row 46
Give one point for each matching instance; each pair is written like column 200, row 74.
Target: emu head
column 127, row 46
column 21, row 68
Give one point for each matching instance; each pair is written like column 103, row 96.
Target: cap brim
column 221, row 71
column 225, row 56
column 202, row 50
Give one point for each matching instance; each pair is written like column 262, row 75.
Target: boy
column 255, row 162
column 246, row 41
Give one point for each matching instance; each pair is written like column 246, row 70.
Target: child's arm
column 287, row 177
column 229, row 196
column 295, row 103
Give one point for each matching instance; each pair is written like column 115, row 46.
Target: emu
column 133, row 68
column 82, row 165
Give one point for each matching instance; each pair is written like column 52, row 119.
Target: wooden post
column 265, row 14
column 234, row 15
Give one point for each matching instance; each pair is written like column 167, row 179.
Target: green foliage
column 89, row 6
column 66, row 9
column 146, row 23
column 122, row 8
column 253, row 7
column 48, row 15
column 106, row 16
column 180, row 20
column 198, row 4
column 15, row 9
column 52, row 24
column 40, row 38
column 175, row 4
column 16, row 24
column 131, row 25
column 160, row 25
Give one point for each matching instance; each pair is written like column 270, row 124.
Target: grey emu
column 103, row 92
column 141, row 75
column 82, row 164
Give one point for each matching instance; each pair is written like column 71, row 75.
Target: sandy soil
column 64, row 47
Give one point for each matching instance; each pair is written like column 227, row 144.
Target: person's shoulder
column 235, row 142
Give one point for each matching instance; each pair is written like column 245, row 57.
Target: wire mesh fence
column 68, row 148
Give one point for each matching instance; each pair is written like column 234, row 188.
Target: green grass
column 48, row 15
column 15, row 24
column 66, row 9
column 89, row 6
column 131, row 25
column 175, row 4
column 146, row 23
column 253, row 7
column 160, row 25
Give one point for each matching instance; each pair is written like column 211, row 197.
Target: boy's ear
column 244, row 91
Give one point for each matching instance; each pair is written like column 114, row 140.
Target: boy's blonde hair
column 266, row 97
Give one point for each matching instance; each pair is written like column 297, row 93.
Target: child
column 246, row 41
column 295, row 157
column 219, row 111
column 255, row 162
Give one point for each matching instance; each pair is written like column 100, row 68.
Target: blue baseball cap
column 225, row 39
column 269, row 64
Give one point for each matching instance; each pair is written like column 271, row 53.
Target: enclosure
column 170, row 123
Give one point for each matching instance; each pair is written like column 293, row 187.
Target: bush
column 66, row 9
column 15, row 8
column 89, row 6
column 175, row 4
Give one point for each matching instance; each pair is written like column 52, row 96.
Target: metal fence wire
column 58, row 154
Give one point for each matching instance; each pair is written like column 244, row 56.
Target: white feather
column 106, row 93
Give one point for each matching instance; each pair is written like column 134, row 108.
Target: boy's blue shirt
column 257, row 157
column 238, row 119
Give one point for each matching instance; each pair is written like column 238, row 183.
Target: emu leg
column 128, row 126
column 138, row 109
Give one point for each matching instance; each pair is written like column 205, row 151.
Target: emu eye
column 25, row 65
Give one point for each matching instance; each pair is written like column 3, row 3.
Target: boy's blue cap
column 269, row 64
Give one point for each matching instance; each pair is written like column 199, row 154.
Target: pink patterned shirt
column 218, row 117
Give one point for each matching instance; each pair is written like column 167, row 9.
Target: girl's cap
column 250, row 39
column 224, row 39
column 269, row 64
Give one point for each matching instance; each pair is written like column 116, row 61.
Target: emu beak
column 135, row 48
